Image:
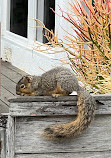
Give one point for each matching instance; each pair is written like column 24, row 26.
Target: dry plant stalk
column 89, row 52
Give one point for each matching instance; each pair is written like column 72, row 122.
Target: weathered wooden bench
column 3, row 124
column 28, row 116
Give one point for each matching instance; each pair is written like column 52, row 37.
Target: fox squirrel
column 60, row 81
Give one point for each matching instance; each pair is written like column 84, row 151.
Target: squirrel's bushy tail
column 86, row 107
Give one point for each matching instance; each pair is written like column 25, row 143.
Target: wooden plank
column 3, row 106
column 28, row 137
column 5, row 94
column 23, row 99
column 10, row 152
column 53, row 108
column 8, row 84
column 13, row 68
column 3, row 143
column 101, row 97
column 12, row 75
column 43, row 108
column 106, row 154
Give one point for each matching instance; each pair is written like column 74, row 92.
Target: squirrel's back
column 60, row 77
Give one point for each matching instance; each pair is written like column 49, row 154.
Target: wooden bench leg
column 3, row 142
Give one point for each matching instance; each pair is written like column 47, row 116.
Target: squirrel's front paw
column 56, row 95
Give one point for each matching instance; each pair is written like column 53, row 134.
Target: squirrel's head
column 24, row 87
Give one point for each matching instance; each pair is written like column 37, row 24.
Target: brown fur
column 60, row 82
column 76, row 127
column 58, row 91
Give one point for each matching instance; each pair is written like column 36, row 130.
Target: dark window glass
column 18, row 17
column 93, row 3
column 49, row 16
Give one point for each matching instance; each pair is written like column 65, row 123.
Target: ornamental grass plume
column 89, row 51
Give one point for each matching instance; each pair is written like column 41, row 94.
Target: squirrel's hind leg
column 57, row 95
column 58, row 91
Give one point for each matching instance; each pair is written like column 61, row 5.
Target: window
column 18, row 17
column 49, row 16
column 20, row 13
column 93, row 3
column 46, row 15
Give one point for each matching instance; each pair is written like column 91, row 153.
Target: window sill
column 14, row 38
column 26, row 45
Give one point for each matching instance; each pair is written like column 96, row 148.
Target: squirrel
column 60, row 81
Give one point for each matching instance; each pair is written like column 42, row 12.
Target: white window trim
column 40, row 16
column 32, row 33
column 32, row 14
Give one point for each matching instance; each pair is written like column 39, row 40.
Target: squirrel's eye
column 22, row 86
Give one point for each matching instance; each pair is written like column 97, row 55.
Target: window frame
column 31, row 31
column 40, row 16
column 35, row 10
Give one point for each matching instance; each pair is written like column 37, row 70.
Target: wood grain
column 49, row 108
column 10, row 67
column 99, row 97
column 28, row 137
column 10, row 131
column 2, row 143
column 9, row 85
column 106, row 154
column 30, row 115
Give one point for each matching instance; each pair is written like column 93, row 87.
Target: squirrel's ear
column 29, row 78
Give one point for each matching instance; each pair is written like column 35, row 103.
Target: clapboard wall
column 28, row 116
